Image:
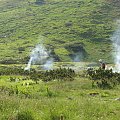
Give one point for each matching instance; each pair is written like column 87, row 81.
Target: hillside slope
column 69, row 28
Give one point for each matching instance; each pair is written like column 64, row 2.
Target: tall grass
column 70, row 100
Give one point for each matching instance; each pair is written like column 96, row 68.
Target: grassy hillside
column 66, row 27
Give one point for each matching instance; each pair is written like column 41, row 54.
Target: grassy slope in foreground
column 68, row 27
column 72, row 100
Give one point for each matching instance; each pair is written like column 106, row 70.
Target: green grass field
column 70, row 99
column 23, row 99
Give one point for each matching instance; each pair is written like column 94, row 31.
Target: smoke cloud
column 40, row 55
column 48, row 64
column 78, row 57
column 116, row 44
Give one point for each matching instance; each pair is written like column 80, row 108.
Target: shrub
column 24, row 115
column 104, row 78
column 62, row 74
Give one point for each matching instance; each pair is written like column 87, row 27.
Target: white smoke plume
column 48, row 64
column 116, row 44
column 78, row 57
column 39, row 55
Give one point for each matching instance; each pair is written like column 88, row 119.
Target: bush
column 61, row 74
column 24, row 115
column 104, row 78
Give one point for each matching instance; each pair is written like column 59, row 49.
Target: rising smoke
column 48, row 64
column 77, row 57
column 116, row 44
column 40, row 55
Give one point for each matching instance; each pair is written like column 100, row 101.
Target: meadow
column 21, row 98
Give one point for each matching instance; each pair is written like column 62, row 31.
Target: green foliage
column 61, row 74
column 14, row 70
column 104, row 78
column 76, row 107
column 22, row 115
column 55, row 100
column 61, row 22
column 12, row 79
column 49, row 92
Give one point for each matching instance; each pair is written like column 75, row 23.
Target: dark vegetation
column 104, row 78
column 22, row 115
column 61, row 74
